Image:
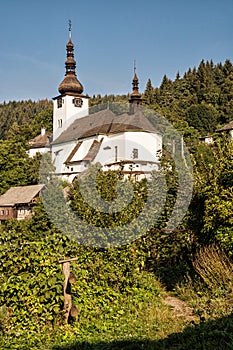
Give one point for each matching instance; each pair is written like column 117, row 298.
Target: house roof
column 105, row 122
column 227, row 127
column 20, row 195
column 40, row 140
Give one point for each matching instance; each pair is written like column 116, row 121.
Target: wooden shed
column 17, row 202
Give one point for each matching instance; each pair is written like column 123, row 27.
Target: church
column 126, row 141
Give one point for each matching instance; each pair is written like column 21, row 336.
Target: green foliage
column 13, row 164
column 108, row 189
column 149, row 94
column 203, row 118
column 31, row 281
column 213, row 194
column 203, row 96
column 108, row 288
column 15, row 115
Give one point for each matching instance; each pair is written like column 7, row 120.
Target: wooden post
column 69, row 279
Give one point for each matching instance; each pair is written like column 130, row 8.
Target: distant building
column 228, row 129
column 40, row 144
column 127, row 140
column 207, row 139
column 17, row 202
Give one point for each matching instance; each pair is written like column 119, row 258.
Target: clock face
column 78, row 102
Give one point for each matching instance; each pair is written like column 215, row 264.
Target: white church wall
column 60, row 152
column 112, row 149
column 129, row 146
column 142, row 146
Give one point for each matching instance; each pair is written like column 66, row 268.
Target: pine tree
column 149, row 97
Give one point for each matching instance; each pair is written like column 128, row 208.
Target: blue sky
column 164, row 36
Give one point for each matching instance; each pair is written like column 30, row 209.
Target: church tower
column 71, row 103
column 135, row 99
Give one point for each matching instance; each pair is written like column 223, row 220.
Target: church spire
column 70, row 83
column 135, row 97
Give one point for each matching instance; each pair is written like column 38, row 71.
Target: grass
column 142, row 320
column 141, row 316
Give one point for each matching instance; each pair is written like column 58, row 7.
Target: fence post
column 70, row 278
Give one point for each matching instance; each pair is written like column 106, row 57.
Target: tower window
column 135, row 153
column 60, row 123
column 59, row 102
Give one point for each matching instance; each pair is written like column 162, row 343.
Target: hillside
column 203, row 97
column 14, row 114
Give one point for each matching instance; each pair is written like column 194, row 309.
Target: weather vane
column 70, row 28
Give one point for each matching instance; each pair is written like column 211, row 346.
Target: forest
column 165, row 289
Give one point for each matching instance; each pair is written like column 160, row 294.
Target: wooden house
column 17, row 202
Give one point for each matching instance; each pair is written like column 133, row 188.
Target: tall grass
column 214, row 267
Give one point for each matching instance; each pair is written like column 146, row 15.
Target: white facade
column 41, row 150
column 129, row 146
column 65, row 110
column 138, row 152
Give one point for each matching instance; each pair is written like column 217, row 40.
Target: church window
column 60, row 123
column 135, row 153
column 116, row 153
column 59, row 102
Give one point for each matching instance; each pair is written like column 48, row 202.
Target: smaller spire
column 135, row 97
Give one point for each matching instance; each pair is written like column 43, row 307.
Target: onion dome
column 70, row 83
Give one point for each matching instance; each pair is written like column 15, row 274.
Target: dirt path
column 180, row 308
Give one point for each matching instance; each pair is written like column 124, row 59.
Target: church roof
column 105, row 122
column 20, row 195
column 70, row 83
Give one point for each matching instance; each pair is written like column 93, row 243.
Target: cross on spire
column 134, row 66
column 70, row 83
column 70, row 28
